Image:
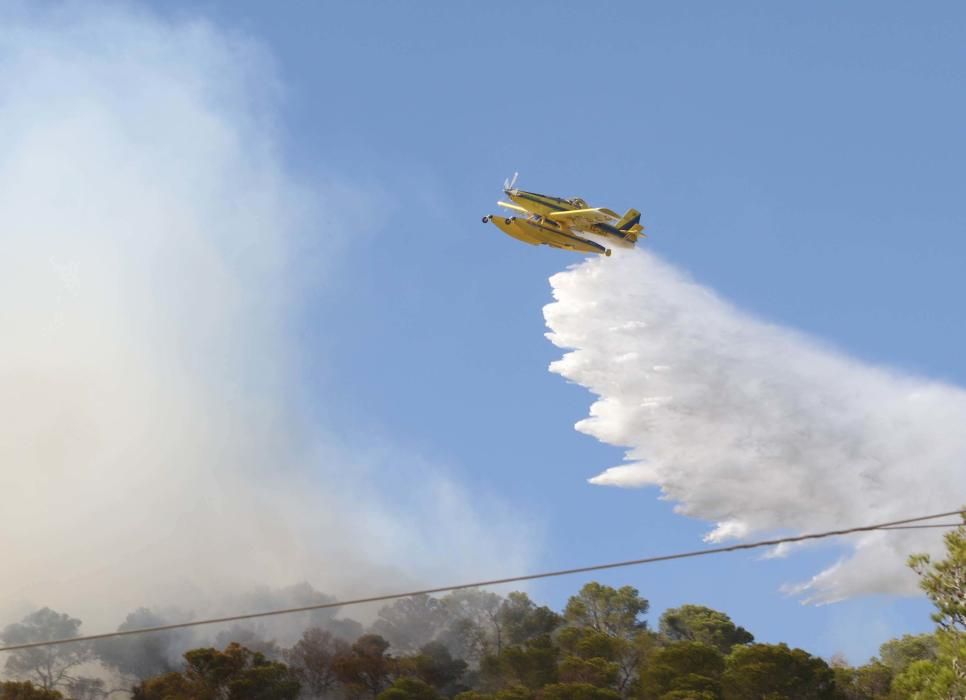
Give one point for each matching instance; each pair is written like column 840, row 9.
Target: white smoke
column 754, row 426
column 154, row 249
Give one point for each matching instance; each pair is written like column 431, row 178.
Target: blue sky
column 802, row 160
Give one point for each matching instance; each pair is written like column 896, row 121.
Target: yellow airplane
column 565, row 223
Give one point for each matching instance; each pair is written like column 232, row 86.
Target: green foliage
column 473, row 695
column 576, row 691
column 514, row 692
column 409, row 689
column 897, row 654
column 236, row 673
column 588, row 643
column 523, row 620
column 607, row 623
column 919, row 678
column 474, row 623
column 595, row 671
column 250, row 638
column 696, row 623
column 12, row 690
column 682, row 666
column 366, row 670
column 776, row 671
column 435, row 666
column 599, row 649
column 615, row 612
column 944, row 677
column 170, row 686
column 532, row 666
column 264, row 681
column 945, row 583
column 869, row 682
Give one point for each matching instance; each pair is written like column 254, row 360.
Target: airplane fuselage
column 544, row 232
column 544, row 205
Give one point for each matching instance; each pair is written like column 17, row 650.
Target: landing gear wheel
column 508, row 221
column 486, row 219
column 607, row 252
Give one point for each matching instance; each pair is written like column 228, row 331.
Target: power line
column 896, row 524
column 920, row 527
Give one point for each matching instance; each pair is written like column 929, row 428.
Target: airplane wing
column 584, row 217
column 512, row 207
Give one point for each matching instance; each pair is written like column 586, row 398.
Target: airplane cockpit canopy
column 578, row 202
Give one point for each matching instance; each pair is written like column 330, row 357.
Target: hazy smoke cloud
column 752, row 425
column 152, row 249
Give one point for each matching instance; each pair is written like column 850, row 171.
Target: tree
column 366, row 669
column 312, row 660
column 236, row 673
column 474, row 626
column 872, row 681
column 264, row 680
column 170, row 686
column 515, row 692
column 409, row 623
column 522, row 620
column 775, row 670
column 435, row 666
column 924, row 679
column 588, row 643
column 615, row 612
column 590, row 657
column 576, row 691
column 897, row 654
column 869, row 682
column 596, row 671
column 944, row 582
column 49, row 666
column 696, row 623
column 468, row 639
column 252, row 638
column 409, row 689
column 12, row 690
column 684, row 667
column 531, row 666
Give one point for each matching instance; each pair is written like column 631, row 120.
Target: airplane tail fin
column 629, row 219
column 630, row 224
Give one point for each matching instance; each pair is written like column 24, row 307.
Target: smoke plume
column 753, row 426
column 154, row 250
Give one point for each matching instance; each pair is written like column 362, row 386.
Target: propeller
column 508, row 184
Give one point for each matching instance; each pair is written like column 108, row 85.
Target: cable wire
column 895, row 524
column 920, row 527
